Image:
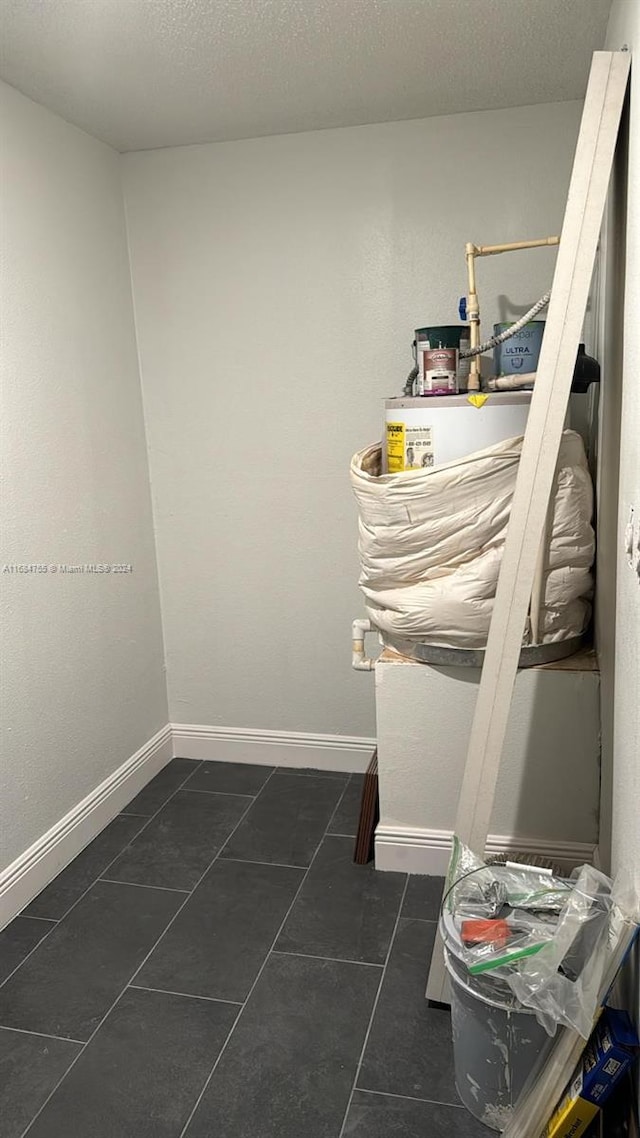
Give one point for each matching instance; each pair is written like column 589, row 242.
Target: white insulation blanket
column 431, row 544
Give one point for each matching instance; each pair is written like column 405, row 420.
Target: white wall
column 82, row 677
column 618, row 574
column 277, row 283
column 610, row 290
column 624, row 28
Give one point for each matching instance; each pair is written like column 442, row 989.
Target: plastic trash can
column 496, row 1042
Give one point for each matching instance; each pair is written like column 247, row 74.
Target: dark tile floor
column 213, row 965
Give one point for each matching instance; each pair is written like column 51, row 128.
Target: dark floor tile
column 287, row 820
column 343, row 910
column 177, row 846
column 346, row 817
column 409, row 1051
column 230, row 778
column 69, row 983
column 31, row 1067
column 290, row 1063
column 17, row 940
column 423, row 898
column 141, row 1074
column 155, row 793
column 315, row 772
column 64, row 890
column 219, row 941
column 380, row 1116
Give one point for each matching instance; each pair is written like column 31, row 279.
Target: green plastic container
column 442, row 335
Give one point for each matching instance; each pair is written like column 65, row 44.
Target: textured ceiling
column 146, row 73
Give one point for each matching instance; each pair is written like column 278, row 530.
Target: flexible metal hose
column 508, row 332
column 493, row 342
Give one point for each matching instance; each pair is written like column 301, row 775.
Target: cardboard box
column 607, row 1058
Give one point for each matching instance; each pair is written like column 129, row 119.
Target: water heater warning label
column 409, row 448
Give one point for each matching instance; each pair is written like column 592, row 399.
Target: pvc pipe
column 509, row 382
column 473, row 316
column 513, row 246
column 359, row 661
column 473, row 306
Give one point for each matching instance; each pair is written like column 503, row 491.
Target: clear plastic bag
column 474, row 888
column 496, row 915
column 562, row 982
column 551, row 940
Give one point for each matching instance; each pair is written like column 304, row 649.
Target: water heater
column 430, row 431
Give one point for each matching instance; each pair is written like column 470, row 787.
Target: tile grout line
column 141, row 965
column 270, row 864
column 41, row 1034
column 223, row 793
column 331, row 959
column 183, row 1132
column 139, row 885
column 95, row 880
column 374, row 1008
column 339, row 804
column 316, row 772
column 409, row 1098
column 184, row 995
column 29, row 917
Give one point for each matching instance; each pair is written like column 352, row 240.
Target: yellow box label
column 571, row 1119
column 395, row 447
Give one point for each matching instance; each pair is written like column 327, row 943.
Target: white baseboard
column 21, row 881
column 397, row 848
column 409, row 850
column 272, row 748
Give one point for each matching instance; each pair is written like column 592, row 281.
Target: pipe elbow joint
column 359, row 661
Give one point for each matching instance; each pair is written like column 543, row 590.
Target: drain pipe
column 359, row 661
